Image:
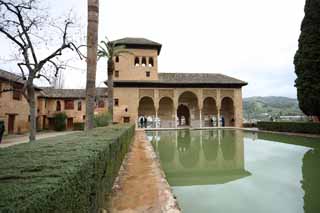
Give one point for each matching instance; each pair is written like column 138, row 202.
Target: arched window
column 58, row 107
column 144, row 62
column 150, row 62
column 136, row 62
column 79, row 106
column 117, row 59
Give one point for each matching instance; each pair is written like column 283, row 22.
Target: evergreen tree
column 307, row 60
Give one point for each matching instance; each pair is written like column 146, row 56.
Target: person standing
column 145, row 120
column 2, row 129
column 222, row 121
column 141, row 120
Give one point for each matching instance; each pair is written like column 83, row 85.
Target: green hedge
column 71, row 173
column 78, row 126
column 102, row 119
column 60, row 121
column 298, row 127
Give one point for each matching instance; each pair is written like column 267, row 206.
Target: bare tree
column 92, row 46
column 57, row 82
column 21, row 22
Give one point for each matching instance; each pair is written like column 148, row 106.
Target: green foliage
column 102, row 119
column 307, row 60
column 60, row 122
column 1, row 124
column 71, row 173
column 298, row 127
column 109, row 50
column 262, row 108
column 78, row 126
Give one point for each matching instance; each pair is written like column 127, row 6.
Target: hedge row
column 78, row 126
column 71, row 173
column 298, row 127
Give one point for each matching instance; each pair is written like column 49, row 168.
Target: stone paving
column 141, row 185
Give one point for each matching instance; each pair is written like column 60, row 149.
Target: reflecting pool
column 237, row 171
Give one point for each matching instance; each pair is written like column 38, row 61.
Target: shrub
column 70, row 173
column 78, row 126
column 297, row 127
column 102, row 119
column 60, row 122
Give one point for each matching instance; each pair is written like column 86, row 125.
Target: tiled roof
column 49, row 92
column 141, row 41
column 11, row 77
column 190, row 78
column 210, row 78
column 138, row 42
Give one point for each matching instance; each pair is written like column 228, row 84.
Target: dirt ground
column 141, row 186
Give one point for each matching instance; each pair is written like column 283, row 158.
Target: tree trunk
column 110, row 87
column 316, row 119
column 92, row 43
column 32, row 112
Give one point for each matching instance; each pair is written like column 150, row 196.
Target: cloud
column 249, row 39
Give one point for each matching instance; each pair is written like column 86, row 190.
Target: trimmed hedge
column 71, row 173
column 102, row 119
column 60, row 120
column 78, row 126
column 297, row 127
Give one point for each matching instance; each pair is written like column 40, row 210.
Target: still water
column 236, row 171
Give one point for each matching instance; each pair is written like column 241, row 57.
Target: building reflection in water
column 200, row 157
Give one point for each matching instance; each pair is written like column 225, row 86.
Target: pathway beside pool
column 141, row 185
column 13, row 140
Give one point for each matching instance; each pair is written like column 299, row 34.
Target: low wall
column 71, row 173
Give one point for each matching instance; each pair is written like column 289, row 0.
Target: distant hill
column 262, row 108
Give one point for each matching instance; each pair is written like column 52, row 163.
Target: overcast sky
column 253, row 40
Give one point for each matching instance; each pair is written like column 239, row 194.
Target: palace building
column 167, row 100
column 171, row 99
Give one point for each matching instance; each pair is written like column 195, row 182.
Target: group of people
column 143, row 122
column 214, row 121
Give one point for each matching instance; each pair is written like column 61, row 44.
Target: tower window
column 116, row 102
column 58, row 106
column 144, row 62
column 151, row 64
column 148, row 74
column 136, row 62
column 116, row 74
column 117, row 59
column 79, row 106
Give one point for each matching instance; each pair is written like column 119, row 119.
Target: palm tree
column 92, row 46
column 111, row 50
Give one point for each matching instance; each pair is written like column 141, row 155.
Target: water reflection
column 188, row 151
column 200, row 157
column 228, row 144
column 210, row 144
column 278, row 164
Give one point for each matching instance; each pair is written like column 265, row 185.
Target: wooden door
column 44, row 122
column 11, row 124
column 70, row 123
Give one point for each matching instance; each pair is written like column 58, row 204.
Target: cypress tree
column 307, row 60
